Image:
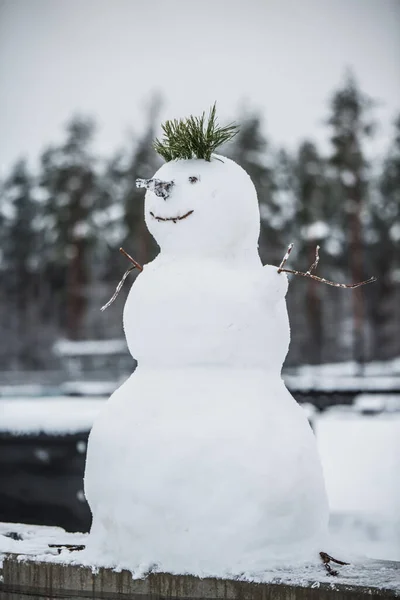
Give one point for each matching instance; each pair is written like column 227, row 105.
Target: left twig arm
column 135, row 265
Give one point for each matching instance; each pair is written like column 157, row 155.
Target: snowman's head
column 202, row 208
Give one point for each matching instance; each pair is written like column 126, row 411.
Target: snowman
column 202, row 462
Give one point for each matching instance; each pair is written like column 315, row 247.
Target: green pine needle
column 193, row 137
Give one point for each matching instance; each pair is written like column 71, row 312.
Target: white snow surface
column 198, row 470
column 225, row 222
column 202, row 461
column 49, row 415
column 374, row 376
column 35, row 539
column 351, row 369
column 361, row 461
column 65, row 347
column 366, row 532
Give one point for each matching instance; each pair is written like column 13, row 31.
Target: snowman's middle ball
column 223, row 200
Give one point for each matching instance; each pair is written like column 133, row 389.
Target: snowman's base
column 25, row 577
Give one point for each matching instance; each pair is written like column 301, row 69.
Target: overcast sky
column 105, row 57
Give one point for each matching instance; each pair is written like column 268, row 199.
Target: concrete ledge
column 31, row 580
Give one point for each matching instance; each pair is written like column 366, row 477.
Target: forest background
column 63, row 221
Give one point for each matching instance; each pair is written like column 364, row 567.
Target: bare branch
column 136, row 265
column 117, row 289
column 350, row 286
column 133, row 261
column 315, row 263
column 284, row 259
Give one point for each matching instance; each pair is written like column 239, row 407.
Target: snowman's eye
column 193, row 179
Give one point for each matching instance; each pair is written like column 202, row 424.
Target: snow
column 202, row 462
column 87, row 388
column 312, row 381
column 204, row 442
column 346, row 376
column 354, row 528
column 394, row 232
column 225, row 219
column 33, row 544
column 348, row 178
column 198, row 467
column 350, row 368
column 81, row 230
column 374, row 535
column 34, row 539
column 375, row 403
column 22, row 390
column 316, row 231
column 58, row 415
column 229, row 317
column 361, row 461
column 89, row 347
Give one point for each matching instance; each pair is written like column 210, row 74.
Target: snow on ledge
column 65, row 347
column 57, row 415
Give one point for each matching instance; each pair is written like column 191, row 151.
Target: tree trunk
column 357, row 272
column 313, row 307
column 76, row 292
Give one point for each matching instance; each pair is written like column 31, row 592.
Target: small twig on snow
column 320, row 279
column 326, row 559
column 136, row 265
column 70, row 547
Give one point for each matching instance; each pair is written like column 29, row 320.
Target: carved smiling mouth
column 173, row 219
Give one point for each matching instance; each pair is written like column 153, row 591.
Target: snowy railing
column 47, row 580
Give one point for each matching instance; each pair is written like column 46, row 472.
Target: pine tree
column 385, row 254
column 350, row 128
column 119, row 215
column 142, row 164
column 69, row 178
column 249, row 149
column 20, row 261
column 311, row 192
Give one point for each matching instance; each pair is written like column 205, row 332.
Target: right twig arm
column 320, row 279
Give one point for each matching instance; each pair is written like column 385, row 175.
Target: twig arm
column 284, row 259
column 117, row 289
column 316, row 261
column 308, row 273
column 133, row 261
column 135, row 265
column 351, row 286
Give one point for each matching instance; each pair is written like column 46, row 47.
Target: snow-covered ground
column 51, row 415
column 361, row 461
column 35, row 543
column 350, row 368
column 373, row 376
column 360, row 455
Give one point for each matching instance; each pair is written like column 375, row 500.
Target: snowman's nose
column 160, row 188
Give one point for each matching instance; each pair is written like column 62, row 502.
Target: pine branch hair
column 193, row 137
